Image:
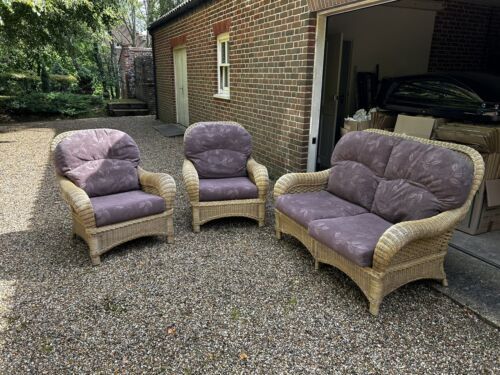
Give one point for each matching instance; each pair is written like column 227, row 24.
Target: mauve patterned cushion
column 100, row 161
column 117, row 208
column 354, row 182
column 421, row 181
column 358, row 163
column 218, row 150
column 223, row 189
column 306, row 207
column 354, row 237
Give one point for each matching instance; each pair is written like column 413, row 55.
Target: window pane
column 227, row 52
column 226, row 77
column 221, row 78
column 223, row 52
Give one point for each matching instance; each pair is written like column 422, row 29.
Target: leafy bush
column 16, row 83
column 62, row 83
column 53, row 103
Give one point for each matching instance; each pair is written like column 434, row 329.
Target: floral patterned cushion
column 398, row 179
column 306, row 207
column 100, row 161
column 117, row 208
column 218, row 150
column 222, row 189
column 421, row 181
column 358, row 164
column 355, row 237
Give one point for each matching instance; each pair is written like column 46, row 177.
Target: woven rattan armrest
column 191, row 181
column 78, row 200
column 301, row 182
column 259, row 176
column 401, row 234
column 160, row 184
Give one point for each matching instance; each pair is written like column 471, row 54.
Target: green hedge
column 17, row 83
column 53, row 103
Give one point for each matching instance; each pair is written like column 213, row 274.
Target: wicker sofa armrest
column 402, row 234
column 259, row 176
column 78, row 200
column 161, row 184
column 191, row 180
column 301, row 182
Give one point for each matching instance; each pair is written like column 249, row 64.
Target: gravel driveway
column 231, row 299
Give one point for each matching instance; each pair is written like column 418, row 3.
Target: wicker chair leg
column 95, row 259
column 170, row 230
column 196, row 219
column 278, row 234
column 316, row 264
column 444, row 282
column 262, row 214
column 374, row 308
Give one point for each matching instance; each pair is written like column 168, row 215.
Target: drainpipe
column 154, row 74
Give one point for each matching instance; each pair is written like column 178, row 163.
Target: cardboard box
column 343, row 131
column 351, row 125
column 383, row 120
column 417, row 126
column 493, row 193
column 481, row 218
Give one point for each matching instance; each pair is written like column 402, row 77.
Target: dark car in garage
column 464, row 96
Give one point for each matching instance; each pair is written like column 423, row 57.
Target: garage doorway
column 335, row 92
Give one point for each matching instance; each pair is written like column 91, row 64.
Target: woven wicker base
column 103, row 239
column 421, row 259
column 204, row 212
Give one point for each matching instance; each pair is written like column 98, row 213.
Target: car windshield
column 438, row 92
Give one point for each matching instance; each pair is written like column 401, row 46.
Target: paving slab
column 484, row 246
column 474, row 284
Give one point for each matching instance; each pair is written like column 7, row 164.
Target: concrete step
column 127, row 105
column 129, row 112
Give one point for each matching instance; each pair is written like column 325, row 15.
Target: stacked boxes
column 484, row 215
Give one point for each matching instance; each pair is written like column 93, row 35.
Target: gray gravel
column 231, row 299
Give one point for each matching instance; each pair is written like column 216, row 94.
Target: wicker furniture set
column 383, row 213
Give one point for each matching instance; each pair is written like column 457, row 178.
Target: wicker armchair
column 407, row 250
column 103, row 232
column 218, row 154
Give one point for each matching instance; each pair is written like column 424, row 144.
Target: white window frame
column 223, row 91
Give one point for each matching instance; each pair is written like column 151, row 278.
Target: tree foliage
column 71, row 36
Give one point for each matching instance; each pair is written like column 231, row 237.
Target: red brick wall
column 465, row 36
column 271, row 57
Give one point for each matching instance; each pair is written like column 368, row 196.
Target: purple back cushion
column 218, row 150
column 421, row 181
column 100, row 161
column 358, row 164
column 399, row 179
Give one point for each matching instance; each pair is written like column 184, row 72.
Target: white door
column 181, row 87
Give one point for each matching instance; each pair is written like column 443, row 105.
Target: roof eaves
column 180, row 9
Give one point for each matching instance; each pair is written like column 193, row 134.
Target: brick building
column 267, row 63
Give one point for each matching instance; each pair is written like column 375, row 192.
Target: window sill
column 222, row 96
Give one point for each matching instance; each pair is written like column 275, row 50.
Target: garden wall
column 144, row 81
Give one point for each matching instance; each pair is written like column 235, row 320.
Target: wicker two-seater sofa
column 384, row 212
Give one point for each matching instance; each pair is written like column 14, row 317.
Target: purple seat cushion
column 120, row 207
column 421, row 181
column 306, row 207
column 354, row 237
column 222, row 189
column 100, row 161
column 358, row 164
column 218, row 150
